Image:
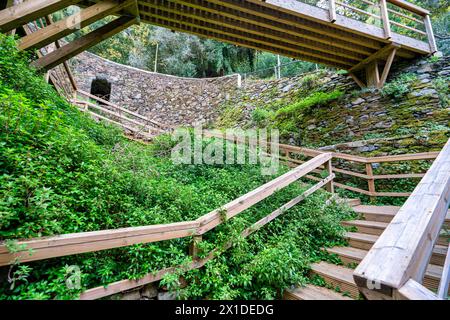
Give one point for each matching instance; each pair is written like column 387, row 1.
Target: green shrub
column 61, row 172
column 399, row 87
column 261, row 117
column 305, row 105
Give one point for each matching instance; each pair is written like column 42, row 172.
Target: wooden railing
column 397, row 16
column 132, row 121
column 396, row 264
column 292, row 156
column 76, row 243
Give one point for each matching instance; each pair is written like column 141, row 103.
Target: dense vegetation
column 62, row 172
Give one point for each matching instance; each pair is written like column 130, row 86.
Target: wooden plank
column 66, row 26
column 122, row 125
column 404, row 157
column 238, row 205
column 75, row 243
column 116, row 287
column 303, row 16
column 115, row 114
column 445, row 280
column 22, row 13
column 216, row 17
column 376, row 56
column 370, row 181
column 177, row 26
column 387, row 68
column 263, row 19
column 137, row 115
column 410, row 7
column 430, row 34
column 81, row 44
column 412, row 290
column 211, row 26
column 402, row 252
column 385, row 19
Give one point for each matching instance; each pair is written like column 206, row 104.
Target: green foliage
column 61, row 172
column 305, row 105
column 261, row 117
column 399, row 87
column 443, row 90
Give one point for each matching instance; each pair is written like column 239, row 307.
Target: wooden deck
column 364, row 37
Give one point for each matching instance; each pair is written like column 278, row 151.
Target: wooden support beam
column 27, row 11
column 430, row 34
column 217, row 35
column 81, row 44
column 202, row 18
column 387, row 68
column 372, row 75
column 66, row 26
column 380, row 54
column 357, row 80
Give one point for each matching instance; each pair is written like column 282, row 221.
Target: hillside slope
column 61, row 172
column 325, row 109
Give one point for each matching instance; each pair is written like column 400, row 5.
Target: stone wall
column 164, row 98
column 361, row 122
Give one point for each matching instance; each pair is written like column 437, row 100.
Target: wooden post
column 330, row 186
column 430, row 34
column 193, row 248
column 385, row 17
column 370, row 181
column 372, row 75
column 332, row 7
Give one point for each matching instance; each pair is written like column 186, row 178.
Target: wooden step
column 384, row 213
column 431, row 279
column 366, row 241
column 350, row 202
column 360, row 240
column 366, row 226
column 348, row 254
column 337, row 276
column 377, row 228
column 311, row 292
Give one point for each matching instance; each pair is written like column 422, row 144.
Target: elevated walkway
column 364, row 37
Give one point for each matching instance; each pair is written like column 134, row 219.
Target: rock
column 167, row 296
column 367, row 148
column 287, row 88
column 311, row 127
column 358, row 101
column 132, row 295
column 149, row 291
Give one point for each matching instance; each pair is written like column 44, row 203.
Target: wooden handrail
column 402, row 252
column 367, row 162
column 75, row 243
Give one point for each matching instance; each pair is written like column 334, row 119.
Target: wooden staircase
column 362, row 234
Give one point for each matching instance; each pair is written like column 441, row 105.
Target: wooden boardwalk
column 364, row 37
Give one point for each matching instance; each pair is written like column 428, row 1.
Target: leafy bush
column 399, row 87
column 314, row 100
column 61, row 172
column 261, row 117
